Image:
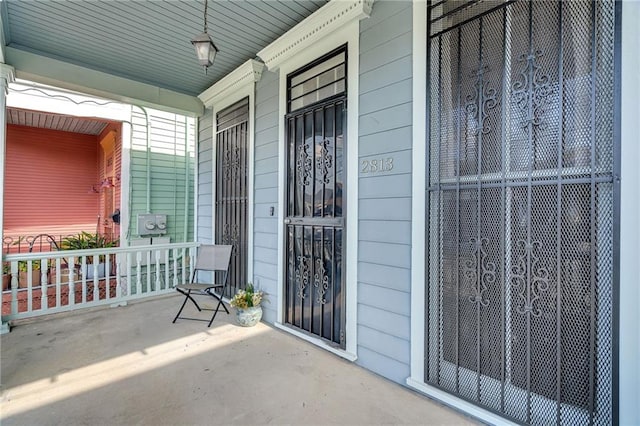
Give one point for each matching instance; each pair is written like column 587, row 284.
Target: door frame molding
column 349, row 34
column 234, row 87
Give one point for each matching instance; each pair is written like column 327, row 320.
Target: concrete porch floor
column 130, row 365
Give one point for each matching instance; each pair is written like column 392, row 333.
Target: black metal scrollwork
column 231, row 163
column 226, row 234
column 478, row 103
column 479, row 285
column 533, row 90
column 324, row 162
column 302, row 275
column 320, row 281
column 529, row 278
column 303, row 166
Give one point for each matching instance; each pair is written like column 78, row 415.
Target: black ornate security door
column 520, row 285
column 231, row 189
column 314, row 223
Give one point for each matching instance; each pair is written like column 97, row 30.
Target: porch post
column 6, row 77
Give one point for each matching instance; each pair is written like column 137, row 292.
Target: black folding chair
column 210, row 258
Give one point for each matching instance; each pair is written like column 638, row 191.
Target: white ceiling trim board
column 41, row 69
column 324, row 22
column 249, row 72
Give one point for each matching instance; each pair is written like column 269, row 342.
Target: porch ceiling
column 65, row 123
column 148, row 41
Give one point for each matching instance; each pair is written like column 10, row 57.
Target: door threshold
column 318, row 342
column 458, row 404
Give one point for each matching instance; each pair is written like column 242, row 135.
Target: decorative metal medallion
column 324, row 162
column 487, row 272
column 235, row 239
column 302, row 275
column 320, row 281
column 226, row 234
column 529, row 278
column 304, row 165
column 478, row 103
column 532, row 92
column 231, row 163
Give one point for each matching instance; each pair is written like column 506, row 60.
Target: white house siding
column 205, row 177
column 384, row 249
column 265, row 263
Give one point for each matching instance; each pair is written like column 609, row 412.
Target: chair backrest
column 213, row 257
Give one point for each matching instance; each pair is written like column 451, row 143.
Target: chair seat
column 198, row 286
column 214, row 259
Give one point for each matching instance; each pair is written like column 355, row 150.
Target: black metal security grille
column 231, row 189
column 520, row 248
column 314, row 224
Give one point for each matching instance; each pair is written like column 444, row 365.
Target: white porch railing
column 50, row 282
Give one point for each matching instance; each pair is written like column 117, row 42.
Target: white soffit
column 249, row 72
column 325, row 21
column 64, row 123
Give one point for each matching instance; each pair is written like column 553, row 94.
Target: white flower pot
column 249, row 317
column 87, row 270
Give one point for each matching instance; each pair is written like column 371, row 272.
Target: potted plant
column 23, row 270
column 88, row 241
column 247, row 303
column 6, row 276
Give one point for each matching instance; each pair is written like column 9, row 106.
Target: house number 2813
column 379, row 165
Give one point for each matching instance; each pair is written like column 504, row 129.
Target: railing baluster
column 129, row 274
column 138, row 273
column 148, row 266
column 71, row 282
column 84, row 270
column 107, row 277
column 118, row 273
column 57, row 282
column 29, row 286
column 44, row 293
column 157, row 274
column 96, row 276
column 175, row 269
column 14, row 287
column 167, row 285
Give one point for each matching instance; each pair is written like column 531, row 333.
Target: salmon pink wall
column 48, row 174
column 108, row 227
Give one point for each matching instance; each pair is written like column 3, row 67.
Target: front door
column 314, row 222
column 520, row 288
column 231, row 190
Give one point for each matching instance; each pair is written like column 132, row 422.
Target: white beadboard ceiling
column 149, row 41
column 66, row 123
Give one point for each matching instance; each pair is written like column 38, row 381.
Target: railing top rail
column 91, row 252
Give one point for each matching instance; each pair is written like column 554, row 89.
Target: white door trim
column 349, row 34
column 234, row 87
column 418, row 203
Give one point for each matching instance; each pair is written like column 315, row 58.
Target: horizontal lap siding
column 384, row 228
column 265, row 267
column 205, row 178
column 47, row 179
column 172, row 171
